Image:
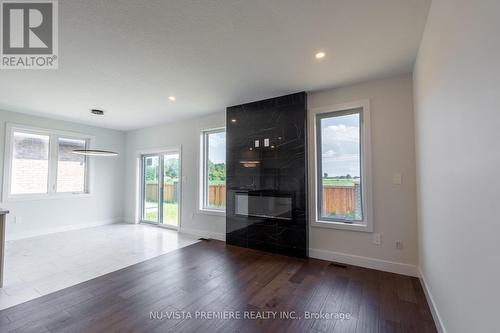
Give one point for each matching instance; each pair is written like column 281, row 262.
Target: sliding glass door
column 150, row 189
column 161, row 189
column 171, row 190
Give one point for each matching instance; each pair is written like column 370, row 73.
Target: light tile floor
column 41, row 265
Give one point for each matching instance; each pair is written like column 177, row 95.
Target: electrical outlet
column 377, row 239
column 399, row 245
column 17, row 219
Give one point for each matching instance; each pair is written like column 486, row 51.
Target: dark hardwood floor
column 208, row 278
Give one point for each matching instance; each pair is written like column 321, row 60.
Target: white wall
column 394, row 205
column 457, row 122
column 393, row 151
column 105, row 205
column 186, row 134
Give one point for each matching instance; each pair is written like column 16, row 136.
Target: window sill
column 47, row 197
column 212, row 212
column 343, row 226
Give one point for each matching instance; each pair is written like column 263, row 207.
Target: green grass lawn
column 217, row 182
column 170, row 212
column 338, row 182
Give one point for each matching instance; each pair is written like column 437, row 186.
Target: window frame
column 56, row 163
column 54, row 136
column 315, row 114
column 203, row 174
column 139, row 209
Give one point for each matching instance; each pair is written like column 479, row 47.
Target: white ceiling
column 126, row 57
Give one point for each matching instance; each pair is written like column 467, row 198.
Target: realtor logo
column 29, row 34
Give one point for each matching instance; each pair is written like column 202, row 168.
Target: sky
column 340, row 145
column 217, row 147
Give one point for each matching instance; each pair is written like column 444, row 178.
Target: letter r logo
column 27, row 27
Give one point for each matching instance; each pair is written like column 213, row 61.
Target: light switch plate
column 397, row 179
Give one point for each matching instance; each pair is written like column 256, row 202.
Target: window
column 30, row 163
column 41, row 163
column 342, row 169
column 70, row 167
column 213, row 170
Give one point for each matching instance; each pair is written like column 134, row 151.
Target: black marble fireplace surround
column 266, row 198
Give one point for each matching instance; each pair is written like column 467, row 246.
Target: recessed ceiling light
column 320, row 55
column 172, row 98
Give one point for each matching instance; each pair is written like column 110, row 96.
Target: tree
column 171, row 167
column 151, row 174
column 216, row 171
column 325, row 175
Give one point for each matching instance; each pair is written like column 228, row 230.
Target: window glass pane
column 151, row 203
column 171, row 189
column 30, row 163
column 340, row 164
column 215, row 186
column 70, row 167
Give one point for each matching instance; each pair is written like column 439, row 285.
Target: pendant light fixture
column 94, row 152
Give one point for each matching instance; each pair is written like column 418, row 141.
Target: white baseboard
column 379, row 264
column 432, row 305
column 204, row 233
column 29, row 234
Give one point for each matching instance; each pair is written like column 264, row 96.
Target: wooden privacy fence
column 216, row 194
column 338, row 200
column 169, row 192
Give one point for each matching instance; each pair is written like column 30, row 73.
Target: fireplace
column 266, row 197
column 263, row 204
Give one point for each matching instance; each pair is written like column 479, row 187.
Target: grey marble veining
column 266, row 173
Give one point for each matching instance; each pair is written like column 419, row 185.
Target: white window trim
column 202, row 173
column 366, row 168
column 52, row 176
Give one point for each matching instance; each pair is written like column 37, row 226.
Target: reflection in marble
column 266, row 175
